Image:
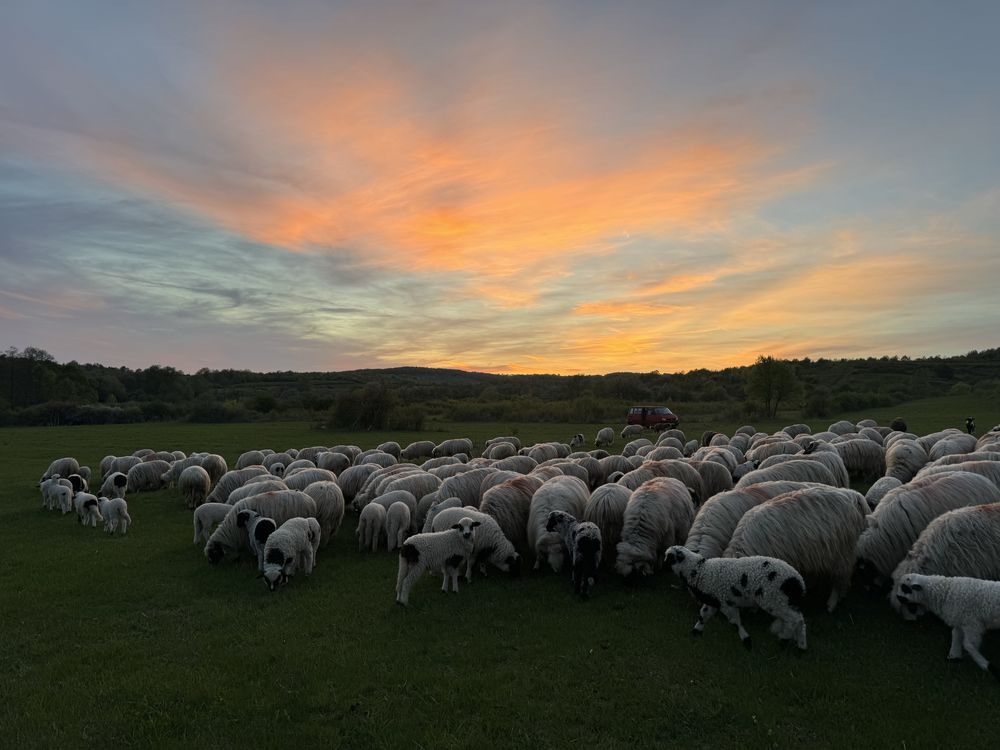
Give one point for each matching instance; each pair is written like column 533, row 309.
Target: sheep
column 905, row 512
column 794, row 471
column 988, row 469
column 829, row 458
column 123, row 464
column 353, row 478
column 490, row 544
column 258, row 528
column 371, row 527
column 541, row 452
column 206, row 517
column 729, row 585
column 499, row 451
column 230, row 539
column 512, row 439
column 329, row 508
column 629, row 430
column 520, row 464
column 250, row 458
column 715, row 477
column 400, row 496
column 632, row 447
column 879, row 489
column 417, row 449
column 510, row 504
column 171, row 475
column 335, row 462
column 605, row 437
column 253, row 487
column 606, row 509
column 397, row 524
column 105, row 465
column 62, row 467
column 291, row 546
column 231, row 480
column 563, row 493
column 903, row 459
column 87, row 509
column 864, row 459
column 270, row 462
column 114, row 485
column 378, row 458
column 577, row 440
column 814, row 529
column 114, row 511
column 147, row 475
column 962, row 542
column 57, row 493
column 453, row 446
column 658, row 515
column 160, row 456
column 969, row 606
column 194, row 485
column 302, row 479
column 679, row 469
column 583, row 540
column 299, row 463
column 467, row 486
column 444, row 550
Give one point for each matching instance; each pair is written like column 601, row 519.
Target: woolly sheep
column 583, row 540
column 114, row 511
column 146, row 476
column 160, row 456
column 231, row 480
column 397, row 524
column 499, row 451
column 605, row 437
column 452, row 446
column 903, row 459
column 632, row 447
column 329, row 508
column 905, row 512
column 658, row 515
column 629, row 430
column 291, row 546
column 302, row 479
column 172, row 474
column 988, row 469
column 509, row 504
column 57, row 493
column 230, row 539
column 207, row 516
column 436, row 507
column 512, row 439
column 378, row 458
column 679, row 469
column 829, row 458
column 284, row 458
column 371, row 527
column 335, row 462
column 879, row 489
column 114, row 485
column 715, row 477
column 62, row 467
column 388, row 499
column 440, row 550
column 864, row 459
column 194, row 485
column 353, row 478
column 123, row 464
column 467, row 486
column 250, row 458
column 969, row 606
column 794, row 471
column 729, row 585
column 254, row 487
column 87, row 509
column 417, row 449
column 490, row 544
column 563, row 493
column 299, row 463
column 577, row 440
column 606, row 509
column 815, row 530
column 258, row 528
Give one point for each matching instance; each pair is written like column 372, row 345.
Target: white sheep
column 438, row 550
column 231, row 480
column 605, row 437
column 658, row 515
column 418, row 449
column 453, row 447
column 568, row 494
column 583, row 540
column 114, row 485
column 87, row 509
column 230, row 538
column 371, row 527
column 397, row 524
column 146, row 476
column 114, row 511
column 62, row 467
column 291, row 546
column 969, row 606
column 194, row 484
column 256, row 486
column 577, row 440
column 490, row 543
column 206, row 517
column 729, row 584
column 329, row 508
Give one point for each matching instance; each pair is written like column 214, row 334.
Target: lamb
column 418, row 449
column 568, row 494
column 490, row 544
column 814, row 529
column 57, row 493
column 944, row 547
column 258, row 529
column 905, row 512
column 230, row 539
column 729, row 584
column 114, row 485
column 605, row 437
column 291, row 546
column 194, row 485
column 970, row 606
column 439, row 550
column 371, row 527
column 583, row 540
column 397, row 524
column 206, row 516
column 87, row 509
column 114, row 511
column 658, row 515
column 329, row 508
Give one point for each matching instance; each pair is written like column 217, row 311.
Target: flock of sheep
column 746, row 521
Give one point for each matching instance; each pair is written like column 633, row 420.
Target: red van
column 653, row 417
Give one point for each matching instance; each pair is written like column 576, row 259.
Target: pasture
column 136, row 641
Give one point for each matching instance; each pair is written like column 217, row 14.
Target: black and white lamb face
column 910, row 594
column 512, row 565
column 215, row 553
column 467, row 526
column 275, row 564
column 674, row 558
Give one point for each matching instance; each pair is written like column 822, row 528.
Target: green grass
column 136, row 641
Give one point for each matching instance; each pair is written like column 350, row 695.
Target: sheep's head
column 275, row 568
column 215, row 552
column 910, row 595
column 631, row 560
column 244, row 517
column 467, row 528
column 558, row 520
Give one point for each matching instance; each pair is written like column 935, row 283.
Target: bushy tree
column 771, row 382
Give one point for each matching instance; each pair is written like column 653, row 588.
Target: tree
column 771, row 382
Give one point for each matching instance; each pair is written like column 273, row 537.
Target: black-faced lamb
column 114, row 485
column 87, row 509
column 729, row 584
column 969, row 606
column 438, row 550
column 289, row 547
column 583, row 540
column 568, row 494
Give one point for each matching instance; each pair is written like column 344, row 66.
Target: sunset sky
column 501, row 186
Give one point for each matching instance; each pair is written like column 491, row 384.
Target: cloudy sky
column 573, row 186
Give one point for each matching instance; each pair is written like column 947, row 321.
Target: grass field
column 137, row 642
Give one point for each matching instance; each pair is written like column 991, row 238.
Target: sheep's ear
column 457, row 527
column 917, row 587
column 476, row 523
column 241, row 518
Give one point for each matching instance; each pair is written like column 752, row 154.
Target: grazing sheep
column 864, row 459
column 969, row 606
column 172, row 474
column 436, row 507
column 206, row 517
column 329, row 508
column 146, row 475
column 814, row 529
column 606, row 509
column 256, row 486
column 629, row 430
column 658, row 515
column 605, row 437
column 563, row 493
column 729, row 585
column 715, row 477
column 299, row 463
column 632, row 447
column 87, row 509
column 62, row 467
column 303, row 478
column 512, row 439
column 271, row 461
column 378, row 458
column 577, row 440
column 988, row 469
column 452, row 447
column 114, row 511
column 335, row 462
column 583, row 540
column 500, row 451
column 682, row 470
column 490, row 544
column 57, row 493
column 399, row 496
column 509, row 504
column 397, row 524
column 258, row 528
column 905, row 512
column 233, row 479
column 829, row 458
column 250, row 458
column 418, row 449
column 230, row 539
column 194, row 485
column 353, row 478
column 371, row 527
column 792, row 471
column 291, row 546
column 879, row 489
column 114, row 485
column 520, row 464
column 903, row 459
column 439, row 550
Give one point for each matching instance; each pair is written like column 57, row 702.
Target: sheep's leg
column 831, row 602
column 704, row 615
column 445, row 573
column 733, row 615
column 955, row 653
column 400, row 574
column 468, row 568
column 971, row 640
column 411, row 576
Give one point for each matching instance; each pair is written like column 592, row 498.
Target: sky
column 512, row 187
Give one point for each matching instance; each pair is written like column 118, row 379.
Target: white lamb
column 970, row 606
column 86, row 509
column 371, row 527
column 731, row 584
column 206, row 517
column 114, row 511
column 397, row 524
column 291, row 546
column 438, row 550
